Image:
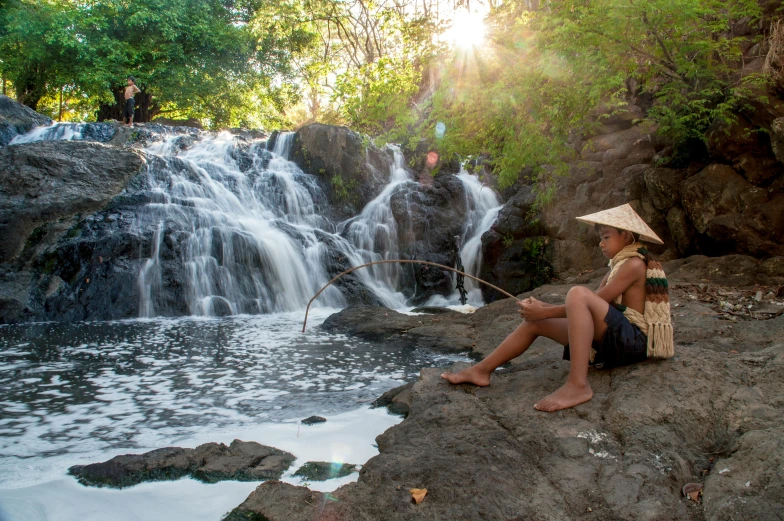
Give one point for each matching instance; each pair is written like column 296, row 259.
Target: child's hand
column 531, row 309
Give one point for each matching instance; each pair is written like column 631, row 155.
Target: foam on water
column 79, row 393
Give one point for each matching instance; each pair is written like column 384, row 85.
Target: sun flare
column 467, row 30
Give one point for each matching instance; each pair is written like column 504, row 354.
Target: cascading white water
column 53, row 132
column 374, row 236
column 483, row 207
column 241, row 229
column 254, row 242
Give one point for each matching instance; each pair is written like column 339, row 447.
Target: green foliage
column 346, row 191
column 220, row 61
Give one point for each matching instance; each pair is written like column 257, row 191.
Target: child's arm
column 136, row 89
column 631, row 271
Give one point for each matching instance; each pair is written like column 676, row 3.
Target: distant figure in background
column 130, row 90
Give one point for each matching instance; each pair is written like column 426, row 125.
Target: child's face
column 611, row 241
column 130, row 83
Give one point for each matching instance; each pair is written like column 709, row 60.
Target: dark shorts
column 128, row 111
column 622, row 344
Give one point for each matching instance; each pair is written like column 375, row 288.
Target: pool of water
column 85, row 392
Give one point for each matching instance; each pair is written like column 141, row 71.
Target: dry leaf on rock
column 418, row 494
column 693, row 491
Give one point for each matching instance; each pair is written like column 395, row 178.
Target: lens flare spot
column 432, row 159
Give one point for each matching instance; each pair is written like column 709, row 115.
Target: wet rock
column 428, row 218
column 312, row 420
column 47, row 268
column 290, row 502
column 324, row 470
column 397, row 400
column 210, row 463
column 443, row 332
column 16, row 119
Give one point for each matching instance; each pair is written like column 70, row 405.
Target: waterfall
column 231, row 226
column 483, row 207
column 254, row 240
column 482, row 210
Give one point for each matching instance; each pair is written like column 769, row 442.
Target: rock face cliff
column 731, row 201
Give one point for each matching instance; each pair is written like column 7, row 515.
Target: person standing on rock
column 625, row 321
column 128, row 109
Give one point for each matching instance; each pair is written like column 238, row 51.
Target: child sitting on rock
column 625, row 321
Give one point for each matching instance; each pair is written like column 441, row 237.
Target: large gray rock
column 210, row 463
column 16, row 119
column 47, row 181
column 711, row 414
column 59, row 260
column 650, row 428
column 428, row 217
column 732, row 214
column 352, row 169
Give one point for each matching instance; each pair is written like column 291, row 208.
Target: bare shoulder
column 634, row 267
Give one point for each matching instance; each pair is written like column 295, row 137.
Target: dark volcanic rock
column 352, row 169
column 324, row 470
column 312, row 420
column 16, row 119
column 46, row 181
column 210, row 463
column 711, row 414
column 444, row 332
column 49, row 251
column 429, row 217
column 514, row 249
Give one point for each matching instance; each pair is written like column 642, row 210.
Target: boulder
column 210, row 463
column 16, row 119
column 732, row 214
column 353, row 170
column 45, row 182
column 664, row 186
column 777, row 138
column 513, row 250
column 428, row 217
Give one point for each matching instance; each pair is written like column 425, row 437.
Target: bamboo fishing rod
column 401, row 261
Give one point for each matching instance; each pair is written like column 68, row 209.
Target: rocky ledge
column 711, row 415
column 210, row 463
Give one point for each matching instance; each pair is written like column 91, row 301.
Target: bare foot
column 470, row 375
column 567, row 396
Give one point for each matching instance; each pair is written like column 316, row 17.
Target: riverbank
column 711, row 415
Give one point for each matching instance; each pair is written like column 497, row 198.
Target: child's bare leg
column 585, row 312
column 513, row 346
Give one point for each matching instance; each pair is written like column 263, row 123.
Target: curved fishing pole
column 402, row 261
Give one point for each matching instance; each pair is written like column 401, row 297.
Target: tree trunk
column 30, row 86
column 3, row 83
column 60, row 112
column 145, row 108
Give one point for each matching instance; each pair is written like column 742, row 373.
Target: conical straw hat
column 625, row 218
